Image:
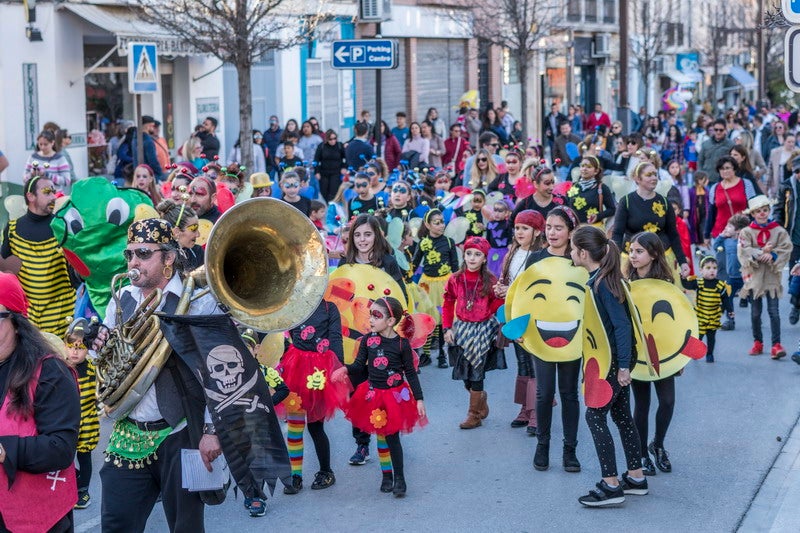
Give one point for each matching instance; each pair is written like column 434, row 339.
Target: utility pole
column 762, row 56
column 623, row 111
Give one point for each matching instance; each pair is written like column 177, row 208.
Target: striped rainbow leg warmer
column 383, row 455
column 296, row 426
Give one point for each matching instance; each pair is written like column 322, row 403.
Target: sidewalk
column 775, row 506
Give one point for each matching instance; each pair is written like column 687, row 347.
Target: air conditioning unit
column 601, row 45
column 375, row 10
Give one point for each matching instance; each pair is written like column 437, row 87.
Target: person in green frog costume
column 92, row 226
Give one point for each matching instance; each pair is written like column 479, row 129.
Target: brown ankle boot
column 520, row 392
column 483, row 408
column 473, row 419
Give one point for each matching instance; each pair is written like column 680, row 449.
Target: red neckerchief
column 763, row 231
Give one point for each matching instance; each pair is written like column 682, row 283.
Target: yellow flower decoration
column 294, row 403
column 591, row 211
column 433, row 257
column 573, row 191
column 476, row 228
column 658, row 209
column 652, row 228
column 378, row 418
column 471, row 216
column 444, row 270
column 316, row 381
column 426, row 244
column 273, row 377
column 579, row 203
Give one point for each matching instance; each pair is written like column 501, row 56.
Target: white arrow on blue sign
column 142, row 68
column 364, row 54
column 791, row 10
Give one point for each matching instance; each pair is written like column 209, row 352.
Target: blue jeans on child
column 756, row 306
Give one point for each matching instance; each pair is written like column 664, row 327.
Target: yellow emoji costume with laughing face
column 669, row 325
column 544, row 307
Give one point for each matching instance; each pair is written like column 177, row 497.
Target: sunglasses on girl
column 482, row 160
column 141, row 253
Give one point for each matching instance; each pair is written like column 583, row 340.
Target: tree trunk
column 522, row 71
column 245, row 116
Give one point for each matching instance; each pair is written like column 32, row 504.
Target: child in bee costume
column 713, row 297
column 316, row 351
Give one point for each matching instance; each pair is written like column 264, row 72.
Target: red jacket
column 454, row 149
column 592, row 122
column 455, row 299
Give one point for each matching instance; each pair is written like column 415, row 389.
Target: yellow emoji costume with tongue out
column 670, row 330
column 544, row 308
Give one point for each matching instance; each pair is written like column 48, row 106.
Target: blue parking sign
column 142, row 68
column 791, row 10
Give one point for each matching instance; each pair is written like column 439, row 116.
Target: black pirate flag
column 237, row 397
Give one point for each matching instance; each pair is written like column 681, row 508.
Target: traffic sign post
column 142, row 78
column 791, row 58
column 364, row 54
column 791, row 10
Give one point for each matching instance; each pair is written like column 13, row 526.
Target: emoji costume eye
column 662, row 306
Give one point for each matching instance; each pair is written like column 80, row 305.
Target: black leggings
column 321, row 444
column 568, row 374
column 665, row 391
column 476, row 386
column 711, row 341
column 396, row 453
column 84, row 473
column 524, row 362
column 329, row 185
column 620, row 408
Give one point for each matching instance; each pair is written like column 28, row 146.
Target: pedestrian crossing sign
column 142, row 68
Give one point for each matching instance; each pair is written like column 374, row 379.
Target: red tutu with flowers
column 308, row 376
column 384, row 411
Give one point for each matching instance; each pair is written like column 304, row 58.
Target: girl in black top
column 437, row 256
column 306, row 367
column 592, row 250
column 366, row 202
column 390, row 400
column 401, row 202
column 543, row 200
column 589, row 197
column 290, row 186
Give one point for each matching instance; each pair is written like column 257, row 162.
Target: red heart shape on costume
column 524, row 188
column 597, row 391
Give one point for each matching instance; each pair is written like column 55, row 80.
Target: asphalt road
column 730, row 420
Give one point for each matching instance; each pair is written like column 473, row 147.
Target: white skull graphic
column 225, row 366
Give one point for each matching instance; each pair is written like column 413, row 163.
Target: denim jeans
column 756, row 306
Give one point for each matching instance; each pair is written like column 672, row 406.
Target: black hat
column 147, row 119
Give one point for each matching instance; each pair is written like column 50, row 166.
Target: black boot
column 571, row 463
column 388, row 482
column 442, row 361
column 424, row 360
column 399, row 489
column 541, row 460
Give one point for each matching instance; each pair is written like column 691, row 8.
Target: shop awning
column 683, row 78
column 123, row 22
column 742, row 77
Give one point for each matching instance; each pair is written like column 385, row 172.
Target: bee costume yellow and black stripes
column 44, row 278
column 712, row 296
column 89, row 433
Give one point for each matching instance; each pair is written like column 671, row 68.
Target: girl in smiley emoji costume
column 306, row 367
column 469, row 299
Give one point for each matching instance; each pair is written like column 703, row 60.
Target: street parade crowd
column 584, row 253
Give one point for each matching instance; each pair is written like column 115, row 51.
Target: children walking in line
column 528, row 238
column 89, row 432
column 764, row 249
column 471, row 328
column 592, row 250
column 437, row 255
column 389, row 401
column 713, row 297
column 316, row 352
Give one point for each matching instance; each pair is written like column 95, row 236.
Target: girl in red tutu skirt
column 390, row 400
column 307, row 367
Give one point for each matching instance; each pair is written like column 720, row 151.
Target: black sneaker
column 647, row 467
column 424, row 360
column 387, row 483
column 728, row 325
column 296, row 486
column 603, row 496
column 441, row 362
column 323, row 480
column 84, row 500
column 256, row 506
column 361, row 456
column 794, row 315
column 661, row 456
column 742, row 302
column 629, row 486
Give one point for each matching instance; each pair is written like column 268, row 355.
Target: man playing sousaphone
column 144, row 452
column 204, row 397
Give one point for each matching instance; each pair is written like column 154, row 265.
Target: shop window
column 590, row 14
column 674, row 33
column 574, row 10
column 610, row 11
column 322, row 93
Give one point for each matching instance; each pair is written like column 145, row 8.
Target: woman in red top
column 469, row 324
column 727, row 197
